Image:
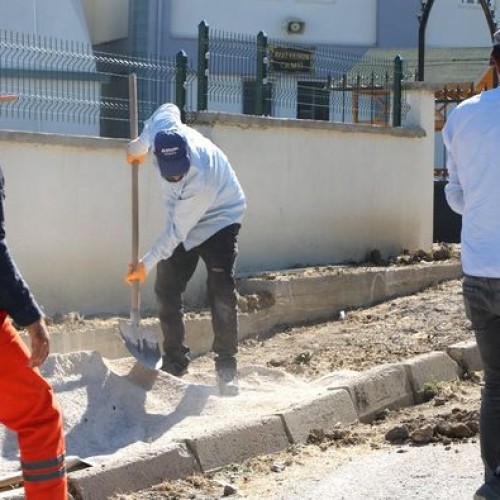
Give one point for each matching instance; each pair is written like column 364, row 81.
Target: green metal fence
column 256, row 75
column 64, row 86
column 68, row 87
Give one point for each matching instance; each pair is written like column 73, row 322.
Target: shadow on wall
column 447, row 224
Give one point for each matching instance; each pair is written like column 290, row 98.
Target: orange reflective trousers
column 28, row 407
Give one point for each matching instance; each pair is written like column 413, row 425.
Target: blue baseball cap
column 172, row 155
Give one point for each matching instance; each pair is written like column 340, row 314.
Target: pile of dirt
column 362, row 339
column 438, row 253
column 450, row 416
column 448, row 419
column 359, row 339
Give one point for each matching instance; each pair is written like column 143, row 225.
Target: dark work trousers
column 482, row 305
column 219, row 253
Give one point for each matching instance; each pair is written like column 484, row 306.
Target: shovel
column 141, row 343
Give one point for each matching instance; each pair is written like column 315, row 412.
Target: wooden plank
column 15, row 480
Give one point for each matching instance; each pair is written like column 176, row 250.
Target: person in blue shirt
column 204, row 205
column 27, row 403
column 472, row 140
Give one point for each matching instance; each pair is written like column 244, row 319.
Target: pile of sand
column 114, row 409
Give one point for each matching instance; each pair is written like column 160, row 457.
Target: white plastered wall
column 343, row 22
column 318, row 193
column 328, row 196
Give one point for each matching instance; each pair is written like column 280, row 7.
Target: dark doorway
column 313, row 101
column 447, row 224
column 249, row 98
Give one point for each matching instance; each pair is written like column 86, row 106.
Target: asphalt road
column 424, row 473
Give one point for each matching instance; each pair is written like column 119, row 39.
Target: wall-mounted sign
column 289, row 59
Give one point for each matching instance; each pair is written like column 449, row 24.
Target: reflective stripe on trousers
column 28, row 408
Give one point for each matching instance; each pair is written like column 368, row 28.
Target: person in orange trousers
column 27, row 403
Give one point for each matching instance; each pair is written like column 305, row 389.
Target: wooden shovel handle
column 134, row 132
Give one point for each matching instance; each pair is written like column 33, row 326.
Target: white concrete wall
column 344, row 22
column 107, row 20
column 453, row 24
column 63, row 19
column 318, row 193
column 328, row 194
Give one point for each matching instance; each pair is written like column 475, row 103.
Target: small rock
column 252, row 302
column 303, row 358
column 442, row 253
column 423, row 435
column 276, row 362
column 337, row 434
column 439, row 401
column 444, row 429
column 229, row 490
column 278, row 467
column 460, row 431
column 383, row 414
column 428, row 395
column 397, row 434
column 316, row 436
column 473, row 425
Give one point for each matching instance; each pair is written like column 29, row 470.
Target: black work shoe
column 175, row 368
column 227, row 380
column 490, row 490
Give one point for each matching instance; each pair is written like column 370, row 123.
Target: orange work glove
column 138, row 158
column 136, row 152
column 136, row 274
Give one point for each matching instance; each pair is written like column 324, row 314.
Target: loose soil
column 358, row 340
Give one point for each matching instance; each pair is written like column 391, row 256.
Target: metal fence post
column 398, row 79
column 180, row 82
column 261, row 87
column 203, row 60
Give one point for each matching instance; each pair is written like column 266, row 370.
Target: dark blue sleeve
column 15, row 297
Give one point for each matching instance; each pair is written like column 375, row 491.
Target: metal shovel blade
column 141, row 343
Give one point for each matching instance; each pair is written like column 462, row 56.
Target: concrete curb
column 136, row 473
column 466, row 354
column 323, row 412
column 302, row 297
column 361, row 398
column 388, row 386
column 299, row 296
column 428, row 369
column 237, row 443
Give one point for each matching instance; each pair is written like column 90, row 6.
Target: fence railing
column 257, row 75
column 68, row 87
column 63, row 86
